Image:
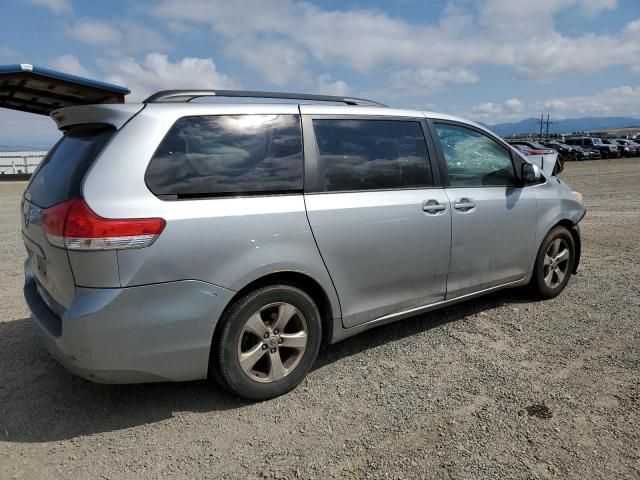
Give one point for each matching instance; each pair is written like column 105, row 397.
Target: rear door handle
column 433, row 206
column 464, row 204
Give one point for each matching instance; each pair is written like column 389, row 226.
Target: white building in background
column 20, row 163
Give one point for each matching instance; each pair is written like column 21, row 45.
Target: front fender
column 557, row 205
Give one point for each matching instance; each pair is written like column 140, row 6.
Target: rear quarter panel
column 227, row 241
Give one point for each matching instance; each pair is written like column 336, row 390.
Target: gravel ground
column 498, row 387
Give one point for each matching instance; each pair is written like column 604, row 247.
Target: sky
column 492, row 61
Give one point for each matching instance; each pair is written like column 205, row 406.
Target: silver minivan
column 178, row 240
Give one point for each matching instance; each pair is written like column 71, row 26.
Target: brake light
column 75, row 226
column 537, row 152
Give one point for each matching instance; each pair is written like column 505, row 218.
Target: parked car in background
column 534, row 148
column 177, row 241
column 566, row 151
column 523, row 149
column 593, row 143
column 634, row 148
column 623, row 150
column 586, row 154
column 549, row 160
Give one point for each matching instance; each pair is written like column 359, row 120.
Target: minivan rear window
column 205, row 156
column 59, row 176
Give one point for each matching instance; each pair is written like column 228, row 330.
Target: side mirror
column 531, row 174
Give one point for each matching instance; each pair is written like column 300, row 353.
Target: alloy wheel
column 556, row 263
column 272, row 342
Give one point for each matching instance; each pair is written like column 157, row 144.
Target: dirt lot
column 442, row 395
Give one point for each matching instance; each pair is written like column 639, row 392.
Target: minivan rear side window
column 363, row 154
column 59, row 176
column 205, row 156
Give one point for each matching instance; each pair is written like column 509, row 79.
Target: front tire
column 268, row 342
column 554, row 264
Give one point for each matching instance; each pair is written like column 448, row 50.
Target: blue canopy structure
column 39, row 90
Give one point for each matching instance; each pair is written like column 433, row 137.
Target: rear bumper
column 129, row 335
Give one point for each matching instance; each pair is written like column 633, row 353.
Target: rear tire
column 554, row 264
column 268, row 342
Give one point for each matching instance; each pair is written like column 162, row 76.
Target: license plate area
column 38, row 263
column 41, row 264
column 36, row 257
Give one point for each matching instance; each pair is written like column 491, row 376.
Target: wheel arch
column 575, row 234
column 299, row 280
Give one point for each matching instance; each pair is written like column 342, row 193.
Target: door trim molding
column 431, row 306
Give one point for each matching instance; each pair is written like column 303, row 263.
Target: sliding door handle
column 464, row 204
column 433, row 206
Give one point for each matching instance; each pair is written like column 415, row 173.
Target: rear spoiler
column 115, row 115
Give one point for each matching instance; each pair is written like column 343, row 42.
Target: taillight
column 75, row 226
column 537, row 152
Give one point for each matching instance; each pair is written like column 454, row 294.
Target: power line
column 544, row 122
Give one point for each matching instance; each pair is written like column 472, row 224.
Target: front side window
column 473, row 159
column 371, row 154
column 228, row 154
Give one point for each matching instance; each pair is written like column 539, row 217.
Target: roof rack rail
column 167, row 96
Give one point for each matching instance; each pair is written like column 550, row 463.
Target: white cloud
column 327, row 86
column 95, row 32
column 157, row 72
column 487, row 108
column 621, row 101
column 490, row 112
column 56, row 6
column 69, row 64
column 127, row 36
column 278, row 62
column 520, row 35
column 535, row 17
column 178, row 27
column 137, row 38
column 594, row 7
column 428, row 80
column 514, row 105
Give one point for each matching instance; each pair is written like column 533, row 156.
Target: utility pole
column 548, row 122
column 541, row 124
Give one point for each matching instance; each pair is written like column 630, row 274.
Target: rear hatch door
column 39, row 90
column 71, row 100
column 58, row 179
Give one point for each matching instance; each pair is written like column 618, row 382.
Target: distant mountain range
column 24, row 148
column 570, row 125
